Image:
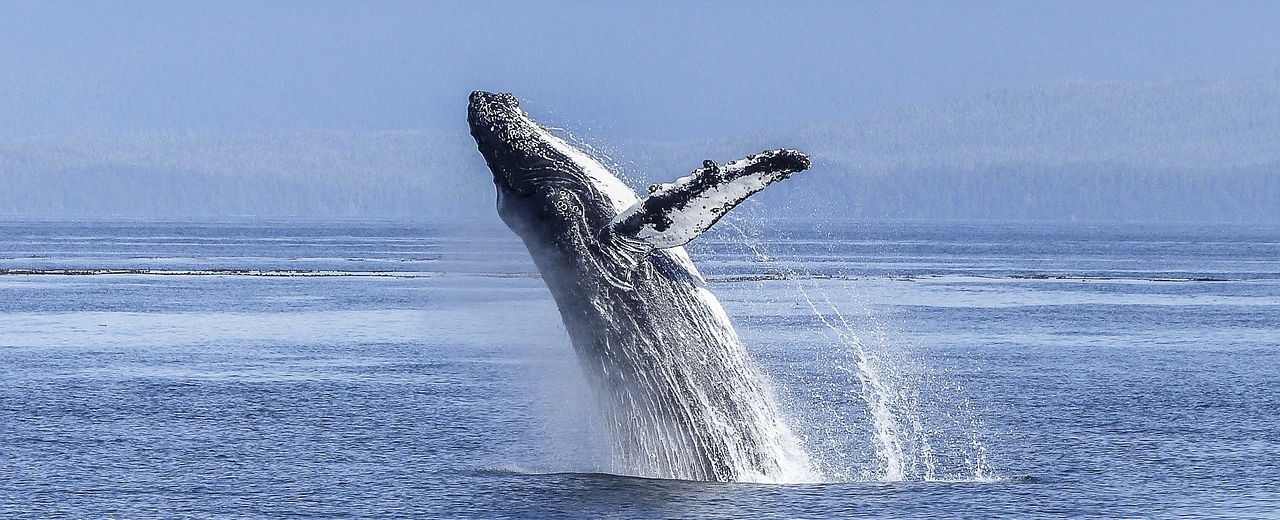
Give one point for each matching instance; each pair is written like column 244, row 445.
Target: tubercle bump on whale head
column 505, row 136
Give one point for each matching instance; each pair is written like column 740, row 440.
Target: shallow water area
column 367, row 369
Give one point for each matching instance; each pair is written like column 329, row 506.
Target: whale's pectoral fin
column 675, row 213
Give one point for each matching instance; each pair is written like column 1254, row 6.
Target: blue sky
column 648, row 70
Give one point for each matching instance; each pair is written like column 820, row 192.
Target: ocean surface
column 402, row 369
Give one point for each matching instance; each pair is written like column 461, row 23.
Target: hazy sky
column 650, row 70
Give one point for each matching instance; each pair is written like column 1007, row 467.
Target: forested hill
column 323, row 174
column 1187, row 151
column 1181, row 151
column 1213, row 125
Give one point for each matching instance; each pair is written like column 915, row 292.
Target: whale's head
column 508, row 139
column 548, row 190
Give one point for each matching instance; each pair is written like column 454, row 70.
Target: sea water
column 363, row 369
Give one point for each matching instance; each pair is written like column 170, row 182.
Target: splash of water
column 910, row 439
column 678, row 392
column 696, row 413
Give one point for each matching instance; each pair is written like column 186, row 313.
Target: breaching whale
column 679, row 393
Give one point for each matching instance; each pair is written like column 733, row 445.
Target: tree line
column 1178, row 151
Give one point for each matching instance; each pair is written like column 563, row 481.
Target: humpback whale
column 680, row 395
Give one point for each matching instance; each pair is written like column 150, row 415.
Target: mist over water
column 1193, row 151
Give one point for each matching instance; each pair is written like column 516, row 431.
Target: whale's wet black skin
column 678, row 390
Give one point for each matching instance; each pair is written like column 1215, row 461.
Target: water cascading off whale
column 679, row 392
